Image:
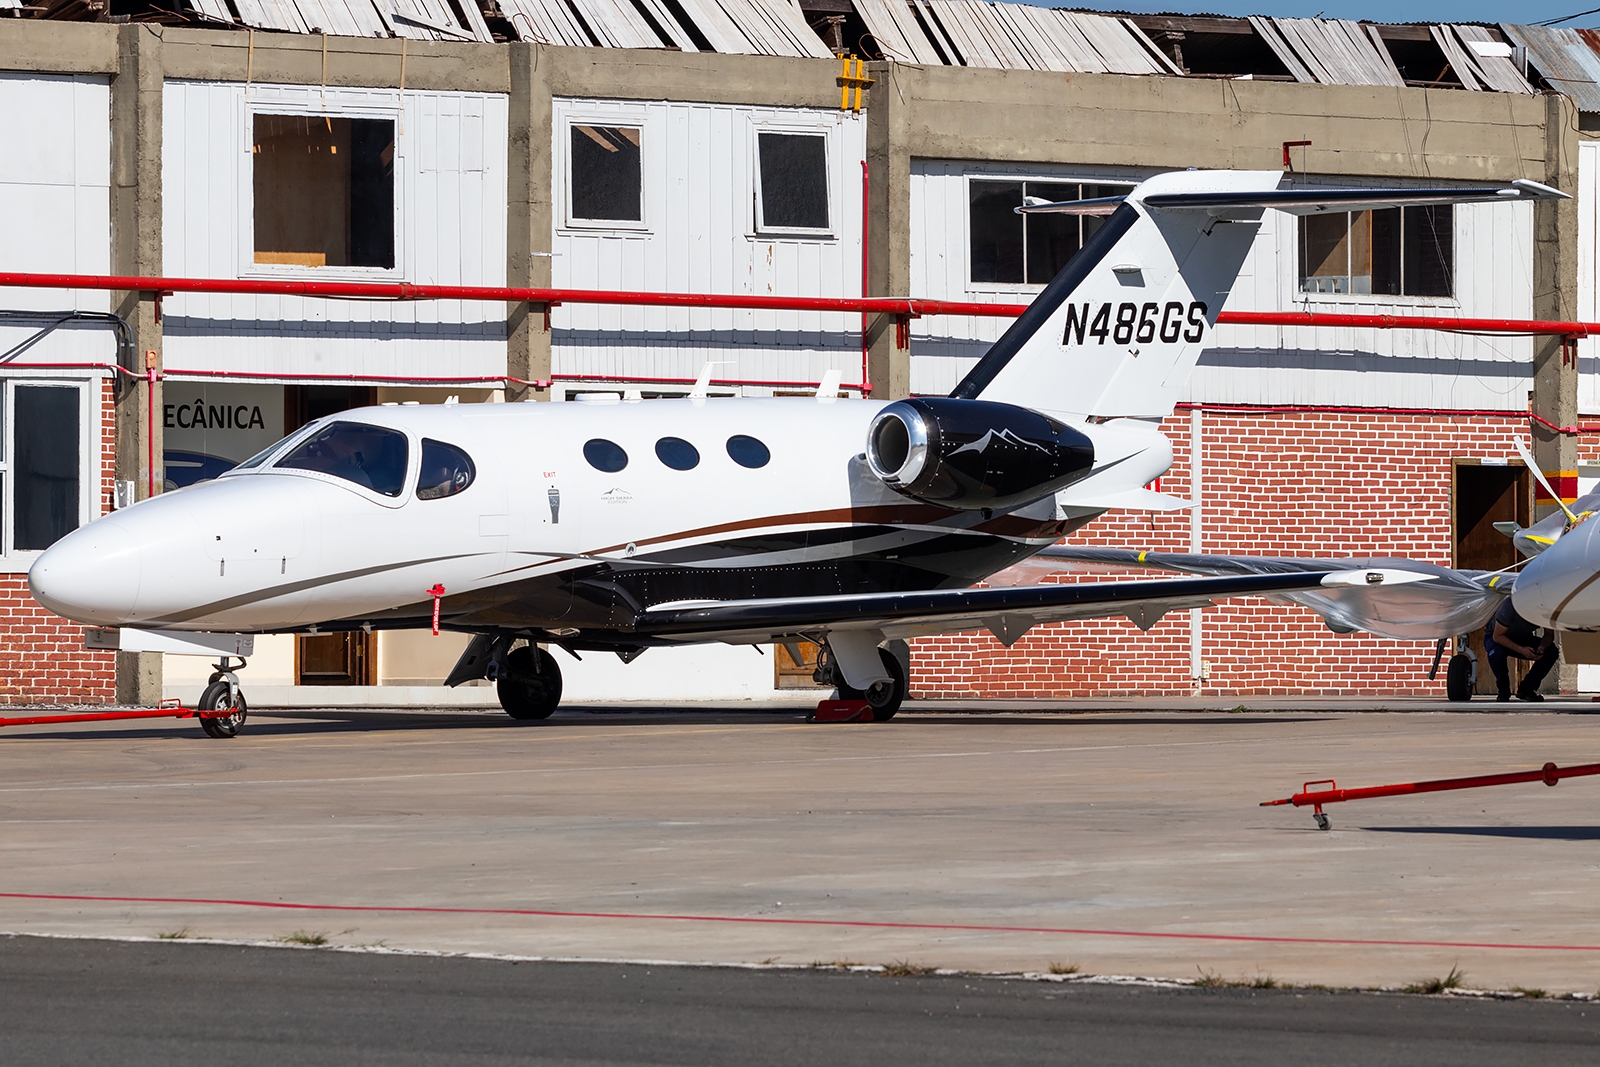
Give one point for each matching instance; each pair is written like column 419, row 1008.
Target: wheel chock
column 841, row 711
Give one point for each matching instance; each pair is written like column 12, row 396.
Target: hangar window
column 445, row 470
column 606, row 174
column 604, row 455
column 792, row 191
column 1011, row 249
column 1400, row 251
column 747, row 451
column 677, row 453
column 41, row 464
column 324, row 191
column 372, row 457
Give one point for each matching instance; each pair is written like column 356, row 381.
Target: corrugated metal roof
column 1011, row 36
column 1564, row 58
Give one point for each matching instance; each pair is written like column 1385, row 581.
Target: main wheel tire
column 219, row 697
column 531, row 686
column 885, row 697
column 1458, row 677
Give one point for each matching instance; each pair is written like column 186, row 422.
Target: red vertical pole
column 866, row 207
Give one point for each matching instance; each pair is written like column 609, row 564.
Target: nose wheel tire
column 530, row 687
column 884, row 698
column 219, row 696
column 1458, row 677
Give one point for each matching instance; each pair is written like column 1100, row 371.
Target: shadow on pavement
column 1536, row 833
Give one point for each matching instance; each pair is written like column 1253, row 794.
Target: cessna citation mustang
column 626, row 526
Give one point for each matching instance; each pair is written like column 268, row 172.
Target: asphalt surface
column 66, row 1001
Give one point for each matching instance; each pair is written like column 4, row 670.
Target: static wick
column 437, row 592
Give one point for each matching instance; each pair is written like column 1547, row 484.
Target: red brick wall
column 1289, row 483
column 42, row 658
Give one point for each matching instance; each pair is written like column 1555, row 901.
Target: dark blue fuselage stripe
column 1055, row 294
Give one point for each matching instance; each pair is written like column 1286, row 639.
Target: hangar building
column 700, row 146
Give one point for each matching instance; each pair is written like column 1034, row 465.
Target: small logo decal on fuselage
column 616, row 496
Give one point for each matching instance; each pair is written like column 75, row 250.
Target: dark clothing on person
column 1521, row 632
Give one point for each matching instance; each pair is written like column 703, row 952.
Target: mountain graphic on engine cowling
column 1005, row 436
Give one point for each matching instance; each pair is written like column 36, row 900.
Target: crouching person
column 1509, row 634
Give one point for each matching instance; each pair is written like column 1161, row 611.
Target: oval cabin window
column 747, row 451
column 446, row 470
column 605, row 455
column 677, row 453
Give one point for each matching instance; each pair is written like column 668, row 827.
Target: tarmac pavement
column 1124, row 841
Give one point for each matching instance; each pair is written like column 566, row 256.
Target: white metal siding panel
column 55, row 206
column 1265, row 365
column 1588, row 302
column 698, row 164
column 451, row 218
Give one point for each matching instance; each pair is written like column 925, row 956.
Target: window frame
column 90, row 473
column 318, row 107
column 998, row 176
column 1300, row 296
column 627, row 118
column 830, row 153
column 269, row 466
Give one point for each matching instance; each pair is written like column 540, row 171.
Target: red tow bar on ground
column 166, row 711
column 1327, row 791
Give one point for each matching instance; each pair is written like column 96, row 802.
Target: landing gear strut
column 529, row 684
column 223, row 694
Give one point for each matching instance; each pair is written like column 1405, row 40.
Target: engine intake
column 972, row 454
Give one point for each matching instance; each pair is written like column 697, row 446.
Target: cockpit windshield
column 370, row 456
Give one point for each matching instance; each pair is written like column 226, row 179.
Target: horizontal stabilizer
column 1304, row 200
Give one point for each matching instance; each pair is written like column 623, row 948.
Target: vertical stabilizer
column 1118, row 331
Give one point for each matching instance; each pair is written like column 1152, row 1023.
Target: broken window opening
column 324, row 191
column 606, row 174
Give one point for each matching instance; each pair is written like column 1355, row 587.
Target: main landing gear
column 529, row 683
column 223, row 694
column 883, row 698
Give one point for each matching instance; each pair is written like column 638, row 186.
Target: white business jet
column 626, row 526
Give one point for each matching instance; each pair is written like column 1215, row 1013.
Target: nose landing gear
column 883, row 698
column 223, row 694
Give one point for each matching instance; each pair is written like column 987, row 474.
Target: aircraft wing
column 1007, row 613
column 1452, row 602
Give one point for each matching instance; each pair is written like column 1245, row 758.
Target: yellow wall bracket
column 853, row 76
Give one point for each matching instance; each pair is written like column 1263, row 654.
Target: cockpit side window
column 446, row 470
column 370, row 456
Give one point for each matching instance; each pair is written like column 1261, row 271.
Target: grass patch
column 1210, row 980
column 173, row 935
column 839, row 964
column 906, row 969
column 304, row 937
column 1452, row 980
column 1531, row 994
column 1213, row 980
column 1064, row 968
column 1260, row 981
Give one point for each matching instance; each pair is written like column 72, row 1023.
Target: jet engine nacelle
column 974, row 454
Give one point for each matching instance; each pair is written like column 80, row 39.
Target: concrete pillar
column 889, row 222
column 529, row 219
column 1555, row 296
column 136, row 97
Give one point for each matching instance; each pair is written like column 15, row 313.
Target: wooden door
column 336, row 658
column 789, row 673
column 1482, row 496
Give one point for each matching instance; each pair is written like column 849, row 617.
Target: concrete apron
column 1129, row 843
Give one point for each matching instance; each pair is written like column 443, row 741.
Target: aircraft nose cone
column 1557, row 587
column 92, row 575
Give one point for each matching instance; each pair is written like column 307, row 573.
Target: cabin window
column 1012, row 249
column 792, row 193
column 1398, row 251
column 605, row 455
column 372, row 457
column 747, row 451
column 324, row 191
column 606, row 174
column 445, row 471
column 677, row 453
